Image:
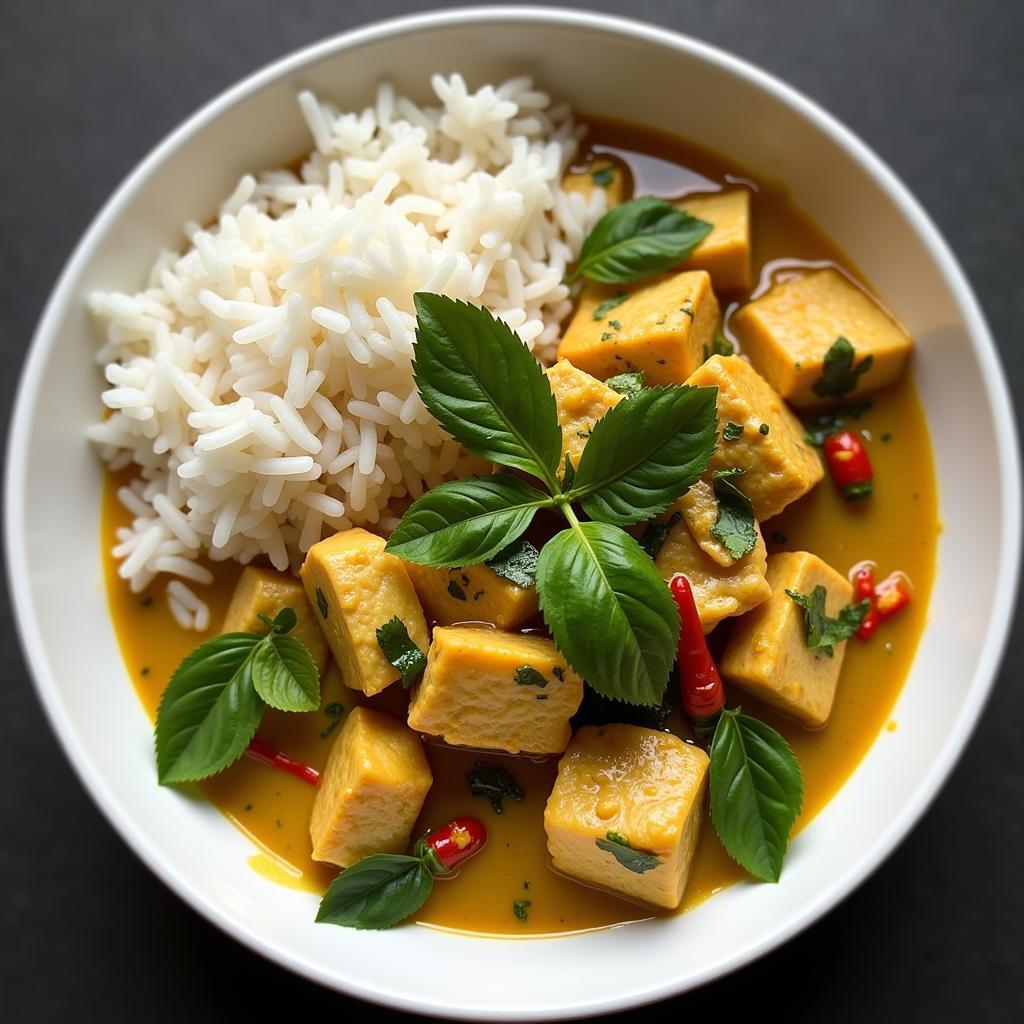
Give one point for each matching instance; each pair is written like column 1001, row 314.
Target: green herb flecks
column 527, row 675
column 516, row 563
column 638, row 238
column 824, row 632
column 652, row 540
column 321, row 603
column 627, row 384
column 214, row 701
column 495, row 783
column 756, row 793
column 764, row 429
column 839, row 376
column 630, row 858
column 521, row 909
column 396, row 645
column 732, row 431
column 602, row 176
column 456, row 591
column 734, row 528
column 722, row 346
column 601, row 311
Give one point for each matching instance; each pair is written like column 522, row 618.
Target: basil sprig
column 214, row 701
column 636, row 239
column 756, row 793
column 377, row 892
column 608, row 610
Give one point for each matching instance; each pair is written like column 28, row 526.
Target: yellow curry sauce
column 898, row 528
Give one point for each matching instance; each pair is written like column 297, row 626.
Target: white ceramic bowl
column 618, row 69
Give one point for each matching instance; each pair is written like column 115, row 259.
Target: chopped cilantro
column 609, row 304
column 763, row 429
column 321, row 603
column 615, row 325
column 602, row 176
column 607, row 336
column 495, row 783
column 456, row 591
column 824, row 632
column 630, row 858
column 734, row 528
column 687, row 310
column 732, row 431
column 722, row 346
column 627, row 384
column 521, row 908
column 396, row 645
column 527, row 675
column 839, row 376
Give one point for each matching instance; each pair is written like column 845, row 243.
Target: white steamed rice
column 262, row 383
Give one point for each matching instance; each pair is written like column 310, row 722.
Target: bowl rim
column 994, row 381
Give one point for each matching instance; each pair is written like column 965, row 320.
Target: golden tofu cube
column 622, row 784
column 779, row 465
column 499, row 691
column 787, row 332
column 609, row 175
column 699, row 508
column 719, row 591
column 767, row 653
column 371, row 790
column 581, row 400
column 474, row 593
column 355, row 587
column 665, row 327
column 725, row 251
column 266, row 592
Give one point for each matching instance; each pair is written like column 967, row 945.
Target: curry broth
column 898, row 528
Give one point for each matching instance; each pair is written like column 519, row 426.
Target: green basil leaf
column 824, row 632
column 377, row 892
column 604, row 308
column 466, row 521
column 516, row 563
column 209, row 711
column 645, row 452
column 495, row 783
column 637, row 239
column 652, row 540
column 284, row 673
column 756, row 792
column 609, row 611
column 838, row 374
column 627, row 384
column 734, row 528
column 626, row 854
column 485, row 387
column 396, row 645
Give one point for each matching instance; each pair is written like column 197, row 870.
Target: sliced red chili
column 849, row 464
column 893, row 594
column 703, row 694
column 862, row 576
column 261, row 750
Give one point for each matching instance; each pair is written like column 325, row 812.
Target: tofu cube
column 371, row 790
column 581, row 401
column 767, row 653
column 355, row 586
column 266, row 592
column 664, row 326
column 787, row 332
column 499, row 691
column 474, row 593
column 628, row 783
column 603, row 173
column 780, row 466
column 719, row 591
column 725, row 251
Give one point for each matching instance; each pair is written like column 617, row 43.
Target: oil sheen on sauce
column 898, row 528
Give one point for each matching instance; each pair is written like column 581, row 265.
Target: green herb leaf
column 466, row 365
column 722, row 346
column 637, row 239
column 602, row 177
column 209, row 711
column 655, row 534
column 527, row 675
column 628, row 384
column 516, row 563
column 396, row 645
column 821, row 426
column 495, row 783
column 645, row 452
column 466, row 521
column 823, row 632
column 609, row 611
column 634, row 860
column 377, row 892
column 734, row 528
column 756, row 793
column 732, row 431
column 839, row 376
column 568, row 474
column 521, row 908
column 602, row 310
column 285, row 675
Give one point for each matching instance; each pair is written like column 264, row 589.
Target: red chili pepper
column 893, row 594
column 848, row 462
column 862, row 576
column 446, row 848
column 699, row 682
column 260, row 750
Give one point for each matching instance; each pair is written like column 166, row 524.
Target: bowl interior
column 615, row 70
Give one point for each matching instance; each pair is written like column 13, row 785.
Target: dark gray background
column 937, row 88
